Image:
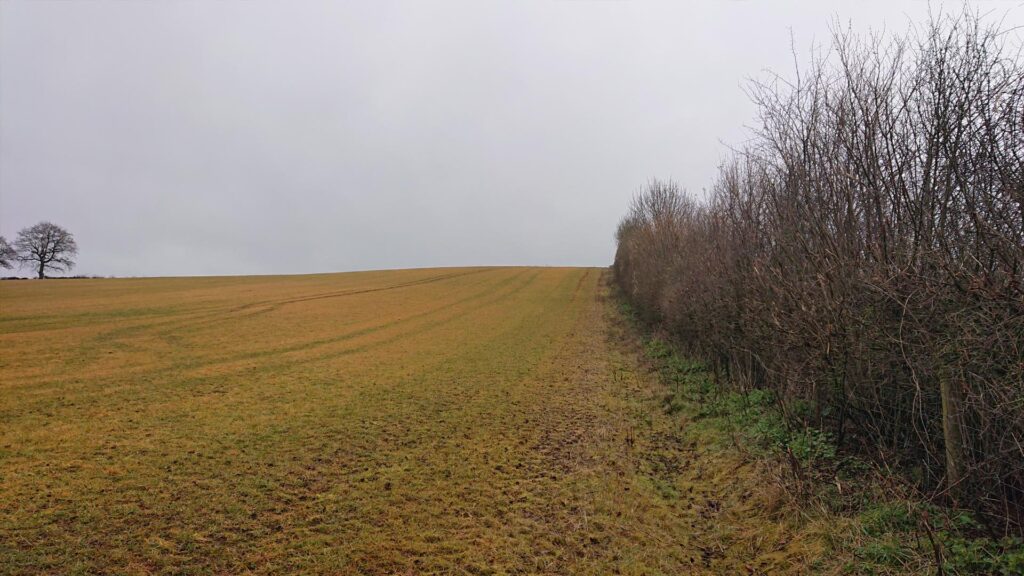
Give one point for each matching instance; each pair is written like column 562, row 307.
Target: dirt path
column 623, row 488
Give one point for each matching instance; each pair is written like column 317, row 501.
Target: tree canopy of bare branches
column 863, row 257
column 46, row 247
column 7, row 254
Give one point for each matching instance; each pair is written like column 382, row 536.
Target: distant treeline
column 862, row 257
column 75, row 277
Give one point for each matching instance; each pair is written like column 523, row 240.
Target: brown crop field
column 456, row 421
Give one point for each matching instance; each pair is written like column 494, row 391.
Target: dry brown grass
column 467, row 421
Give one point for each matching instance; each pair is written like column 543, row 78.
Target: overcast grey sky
column 200, row 137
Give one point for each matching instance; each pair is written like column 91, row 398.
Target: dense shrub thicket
column 862, row 257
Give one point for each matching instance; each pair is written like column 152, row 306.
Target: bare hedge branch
column 864, row 256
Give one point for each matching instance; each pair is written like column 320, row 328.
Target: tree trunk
column 42, row 270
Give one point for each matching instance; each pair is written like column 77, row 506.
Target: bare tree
column 7, row 254
column 46, row 246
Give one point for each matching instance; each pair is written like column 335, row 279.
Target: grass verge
column 864, row 518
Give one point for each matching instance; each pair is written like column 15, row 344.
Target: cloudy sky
column 196, row 137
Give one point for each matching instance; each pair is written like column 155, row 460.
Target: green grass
column 871, row 524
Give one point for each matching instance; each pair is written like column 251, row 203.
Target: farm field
column 463, row 421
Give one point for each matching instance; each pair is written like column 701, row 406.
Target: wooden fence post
column 952, row 430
